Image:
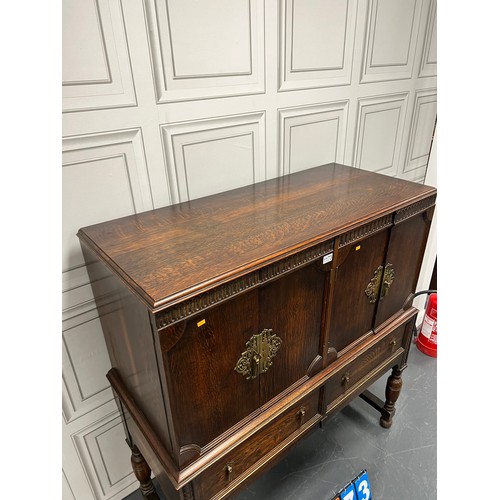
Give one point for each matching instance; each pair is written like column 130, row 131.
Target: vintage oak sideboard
column 237, row 322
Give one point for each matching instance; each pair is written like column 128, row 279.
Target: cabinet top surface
column 173, row 252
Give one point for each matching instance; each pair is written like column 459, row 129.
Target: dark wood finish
column 238, row 322
column 405, row 253
column 392, row 392
column 292, row 307
column 127, row 331
column 389, row 344
column 171, row 253
column 387, row 409
column 353, row 313
column 228, row 472
column 137, row 424
column 161, row 463
column 201, row 364
column 143, row 474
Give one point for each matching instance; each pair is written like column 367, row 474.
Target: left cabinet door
column 207, row 395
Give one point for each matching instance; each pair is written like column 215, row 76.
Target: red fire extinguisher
column 427, row 338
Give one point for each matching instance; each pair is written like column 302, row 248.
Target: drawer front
column 232, row 466
column 347, row 377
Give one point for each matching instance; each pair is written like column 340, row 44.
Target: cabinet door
column 353, row 312
column 404, row 256
column 292, row 307
column 208, row 395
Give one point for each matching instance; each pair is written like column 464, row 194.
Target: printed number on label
column 364, row 490
column 327, row 258
column 363, row 487
column 349, row 493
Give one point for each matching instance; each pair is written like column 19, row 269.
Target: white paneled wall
column 312, row 135
column 207, row 156
column 96, row 67
column 390, row 40
column 379, row 132
column 166, row 101
column 316, row 43
column 209, row 49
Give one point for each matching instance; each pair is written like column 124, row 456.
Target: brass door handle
column 257, row 358
column 387, row 280
column 255, row 365
column 373, row 286
column 380, row 283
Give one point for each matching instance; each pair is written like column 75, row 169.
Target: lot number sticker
column 358, row 489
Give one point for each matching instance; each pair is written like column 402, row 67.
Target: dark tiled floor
column 401, row 461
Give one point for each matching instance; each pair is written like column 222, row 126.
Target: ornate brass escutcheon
column 381, row 282
column 257, row 358
column 374, row 286
column 387, row 279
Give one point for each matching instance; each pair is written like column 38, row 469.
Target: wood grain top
column 171, row 253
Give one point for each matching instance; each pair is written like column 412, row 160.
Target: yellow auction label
column 201, row 323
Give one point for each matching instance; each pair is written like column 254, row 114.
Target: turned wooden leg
column 392, row 391
column 143, row 474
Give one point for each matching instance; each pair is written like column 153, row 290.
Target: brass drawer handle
column 346, row 380
column 229, row 470
column 301, row 414
column 392, row 343
column 260, row 350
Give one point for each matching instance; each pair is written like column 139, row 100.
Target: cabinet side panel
column 129, row 339
column 405, row 254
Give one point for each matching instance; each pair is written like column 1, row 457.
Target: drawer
column 232, row 467
column 365, row 362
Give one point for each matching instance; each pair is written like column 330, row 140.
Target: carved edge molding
column 365, row 230
column 228, row 290
column 294, row 261
column 194, row 305
column 413, row 209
